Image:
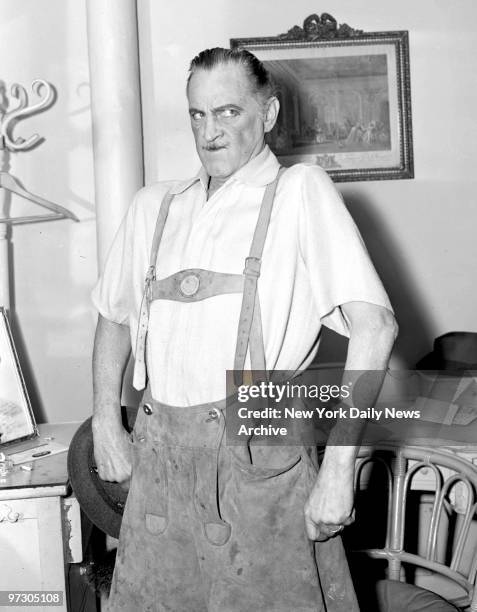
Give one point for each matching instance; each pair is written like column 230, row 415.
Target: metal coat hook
column 23, row 109
column 8, row 120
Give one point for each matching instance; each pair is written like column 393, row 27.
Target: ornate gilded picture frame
column 17, row 421
column 345, row 98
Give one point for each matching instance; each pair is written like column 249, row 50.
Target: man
column 208, row 527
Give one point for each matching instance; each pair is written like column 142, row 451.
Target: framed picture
column 345, row 101
column 16, row 416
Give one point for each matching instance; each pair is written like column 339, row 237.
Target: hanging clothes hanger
column 10, row 183
column 8, row 143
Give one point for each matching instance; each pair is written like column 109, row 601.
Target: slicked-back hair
column 258, row 76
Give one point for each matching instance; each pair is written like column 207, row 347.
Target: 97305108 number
column 31, row 598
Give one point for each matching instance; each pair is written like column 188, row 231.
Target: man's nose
column 211, row 128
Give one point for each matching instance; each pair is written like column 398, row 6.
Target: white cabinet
column 40, row 527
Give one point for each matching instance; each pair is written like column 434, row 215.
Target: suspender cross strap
column 197, row 284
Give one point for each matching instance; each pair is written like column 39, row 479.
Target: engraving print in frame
column 345, row 98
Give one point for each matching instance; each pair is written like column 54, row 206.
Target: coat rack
column 9, row 184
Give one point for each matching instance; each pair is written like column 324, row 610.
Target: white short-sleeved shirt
column 314, row 260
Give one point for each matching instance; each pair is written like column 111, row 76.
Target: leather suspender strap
column 250, row 310
column 160, row 224
column 257, row 347
column 139, row 378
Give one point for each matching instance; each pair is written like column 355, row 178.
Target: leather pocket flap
column 155, row 524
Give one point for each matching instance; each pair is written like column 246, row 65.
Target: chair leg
column 394, row 569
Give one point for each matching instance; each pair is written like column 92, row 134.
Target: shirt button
column 147, row 408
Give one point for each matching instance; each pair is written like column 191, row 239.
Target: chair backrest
column 445, row 541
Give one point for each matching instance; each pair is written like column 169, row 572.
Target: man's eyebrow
column 218, row 109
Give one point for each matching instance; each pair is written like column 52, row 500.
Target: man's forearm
column 369, row 349
column 330, row 505
column 112, row 346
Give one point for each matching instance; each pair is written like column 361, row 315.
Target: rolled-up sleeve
column 112, row 295
column 338, row 264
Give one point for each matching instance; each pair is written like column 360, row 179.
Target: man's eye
column 227, row 113
column 197, row 116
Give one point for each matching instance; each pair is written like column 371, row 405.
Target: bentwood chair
column 416, row 508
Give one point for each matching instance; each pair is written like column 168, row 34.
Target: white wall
column 53, row 264
column 421, row 232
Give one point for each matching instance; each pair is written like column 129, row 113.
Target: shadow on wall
column 415, row 333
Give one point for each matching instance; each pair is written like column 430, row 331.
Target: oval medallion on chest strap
column 189, row 285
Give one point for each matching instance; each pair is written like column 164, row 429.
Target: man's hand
column 112, row 346
column 112, row 450
column 330, row 505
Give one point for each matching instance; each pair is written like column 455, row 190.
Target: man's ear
column 272, row 108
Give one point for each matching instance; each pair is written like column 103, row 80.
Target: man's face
column 228, row 120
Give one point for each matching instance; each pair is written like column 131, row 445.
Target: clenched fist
column 112, row 450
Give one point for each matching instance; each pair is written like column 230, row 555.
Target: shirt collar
column 258, row 172
column 182, row 186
